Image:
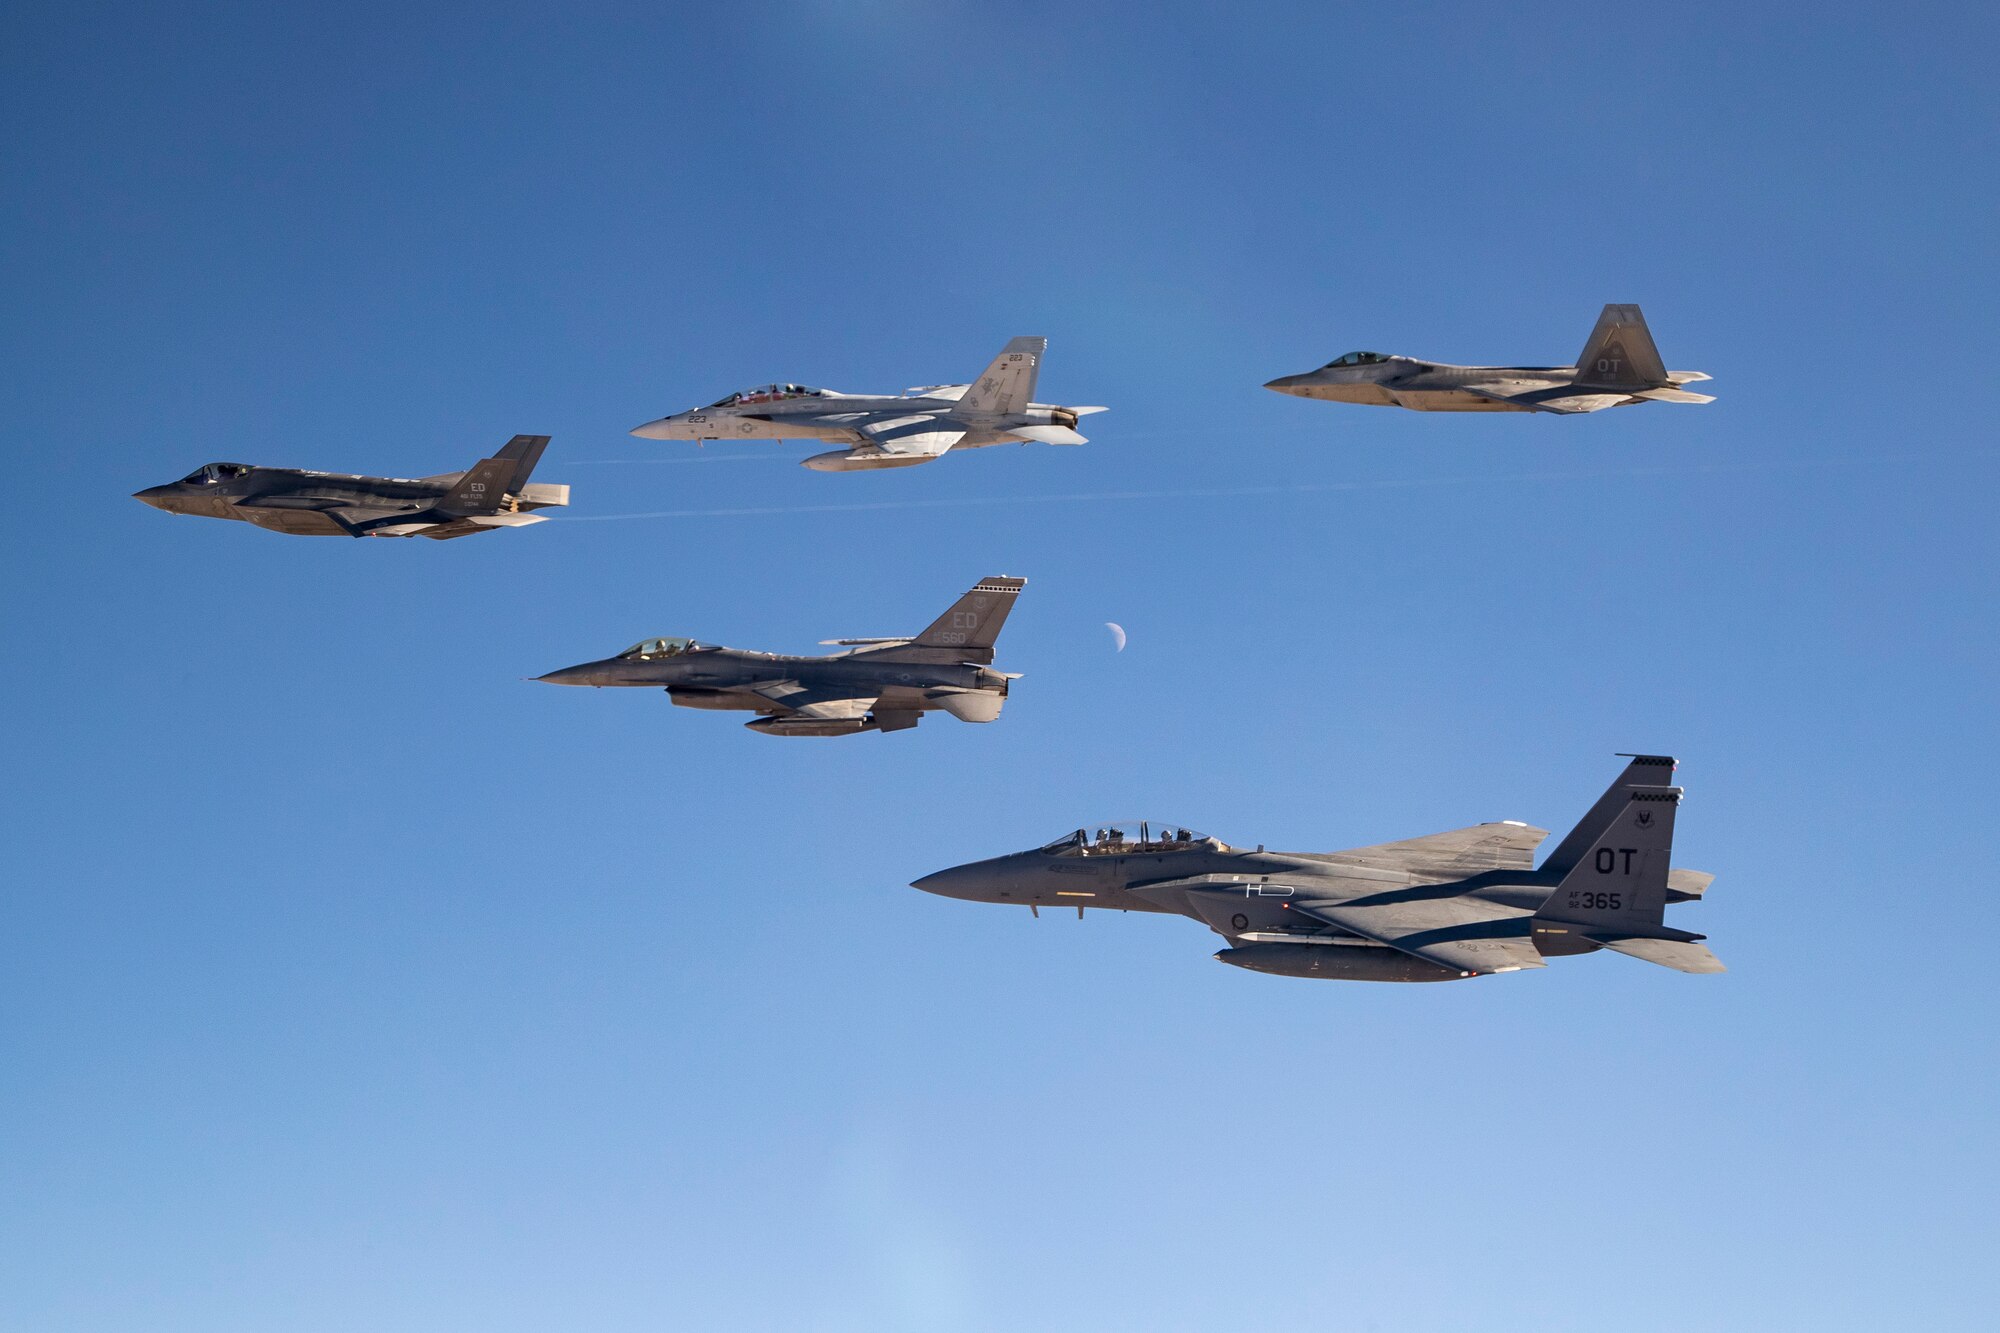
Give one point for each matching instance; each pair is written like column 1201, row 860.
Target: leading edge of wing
column 1456, row 854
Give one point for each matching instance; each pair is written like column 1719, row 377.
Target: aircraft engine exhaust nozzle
column 1335, row 962
column 968, row 705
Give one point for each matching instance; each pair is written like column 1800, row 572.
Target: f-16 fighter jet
column 494, row 493
column 1619, row 366
column 871, row 685
column 1437, row 908
column 883, row 431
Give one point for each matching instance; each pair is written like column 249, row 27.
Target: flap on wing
column 1506, row 845
column 1680, row 955
column 1465, row 934
column 1541, row 397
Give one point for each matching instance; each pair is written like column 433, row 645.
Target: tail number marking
column 1594, row 902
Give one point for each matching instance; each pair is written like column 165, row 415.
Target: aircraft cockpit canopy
column 1129, row 836
column 214, row 472
column 652, row 650
column 770, row 393
column 1355, row 359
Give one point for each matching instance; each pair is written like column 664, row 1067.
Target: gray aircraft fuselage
column 493, row 493
column 872, row 685
column 1619, row 366
column 1440, row 907
column 706, row 676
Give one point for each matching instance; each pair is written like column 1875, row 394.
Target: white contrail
column 1221, row 492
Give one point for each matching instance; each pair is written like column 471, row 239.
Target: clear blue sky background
column 349, row 982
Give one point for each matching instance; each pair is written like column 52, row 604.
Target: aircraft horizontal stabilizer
column 1680, row 955
column 1048, row 434
column 1675, row 395
column 506, row 520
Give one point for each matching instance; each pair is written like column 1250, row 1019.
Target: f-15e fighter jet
column 881, row 431
column 1437, row 908
column 494, row 493
column 872, row 685
column 1619, row 366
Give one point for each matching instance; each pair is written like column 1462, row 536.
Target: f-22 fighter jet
column 493, row 493
column 1619, row 366
column 890, row 430
column 873, row 685
column 1438, row 908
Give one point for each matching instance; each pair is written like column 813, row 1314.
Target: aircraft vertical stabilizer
column 1008, row 385
column 1620, row 353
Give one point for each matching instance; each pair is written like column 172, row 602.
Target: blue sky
column 348, row 981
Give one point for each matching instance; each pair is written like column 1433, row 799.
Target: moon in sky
column 1117, row 634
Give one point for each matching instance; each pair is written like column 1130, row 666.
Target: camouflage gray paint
column 872, row 685
column 883, row 431
column 1619, row 366
column 1436, row 908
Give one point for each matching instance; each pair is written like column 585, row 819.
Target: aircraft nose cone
column 152, row 495
column 957, row 882
column 1284, row 383
column 654, row 430
column 576, row 675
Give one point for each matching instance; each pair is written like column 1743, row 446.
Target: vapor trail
column 1221, row 492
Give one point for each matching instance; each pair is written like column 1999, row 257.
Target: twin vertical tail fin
column 974, row 621
column 1621, row 354
column 1008, row 385
column 1644, row 770
column 487, row 484
column 1615, row 895
column 1620, row 883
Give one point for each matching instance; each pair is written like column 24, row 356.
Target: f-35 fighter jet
column 873, row 685
column 1619, row 366
column 1436, row 908
column 881, row 431
column 494, row 493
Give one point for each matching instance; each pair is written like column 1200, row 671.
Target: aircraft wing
column 1457, row 854
column 355, row 520
column 1464, row 934
column 923, row 434
column 801, row 700
column 1541, row 396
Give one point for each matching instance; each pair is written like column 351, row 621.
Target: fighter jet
column 881, row 431
column 1619, row 366
column 871, row 685
column 1439, row 908
column 494, row 493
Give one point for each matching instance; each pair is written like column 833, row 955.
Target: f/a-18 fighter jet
column 493, row 493
column 881, row 431
column 1619, row 366
column 1437, row 908
column 871, row 685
